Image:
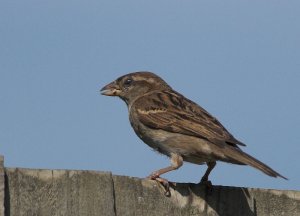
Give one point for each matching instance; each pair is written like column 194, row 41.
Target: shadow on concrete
column 225, row 201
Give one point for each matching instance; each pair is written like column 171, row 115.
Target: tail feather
column 241, row 157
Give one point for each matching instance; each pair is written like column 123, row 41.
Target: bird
column 177, row 127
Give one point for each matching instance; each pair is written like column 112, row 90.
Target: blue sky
column 237, row 59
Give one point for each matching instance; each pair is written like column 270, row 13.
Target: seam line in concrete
column 114, row 194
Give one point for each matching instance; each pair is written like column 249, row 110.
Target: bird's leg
column 210, row 166
column 176, row 162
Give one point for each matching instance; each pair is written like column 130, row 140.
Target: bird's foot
column 153, row 176
column 208, row 185
column 164, row 182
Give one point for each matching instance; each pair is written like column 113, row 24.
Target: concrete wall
column 87, row 193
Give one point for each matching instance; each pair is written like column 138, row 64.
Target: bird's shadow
column 224, row 200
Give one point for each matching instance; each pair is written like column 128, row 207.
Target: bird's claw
column 164, row 182
column 208, row 185
column 206, row 182
column 153, row 176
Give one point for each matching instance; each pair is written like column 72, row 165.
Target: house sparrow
column 177, row 127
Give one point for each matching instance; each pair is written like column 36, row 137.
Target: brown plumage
column 177, row 127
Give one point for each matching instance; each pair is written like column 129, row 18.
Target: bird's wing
column 173, row 112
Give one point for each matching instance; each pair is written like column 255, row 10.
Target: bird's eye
column 128, row 82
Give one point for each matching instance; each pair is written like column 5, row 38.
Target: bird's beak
column 111, row 89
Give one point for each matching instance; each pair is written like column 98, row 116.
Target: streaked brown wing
column 173, row 112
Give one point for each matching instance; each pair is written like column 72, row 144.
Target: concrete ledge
column 143, row 197
column 68, row 192
column 58, row 192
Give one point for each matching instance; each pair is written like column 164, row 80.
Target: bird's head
column 133, row 85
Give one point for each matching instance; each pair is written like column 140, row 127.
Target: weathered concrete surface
column 88, row 193
column 143, row 197
column 58, row 192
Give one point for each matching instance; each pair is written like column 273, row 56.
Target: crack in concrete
column 113, row 194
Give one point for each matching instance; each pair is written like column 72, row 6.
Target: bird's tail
column 238, row 156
